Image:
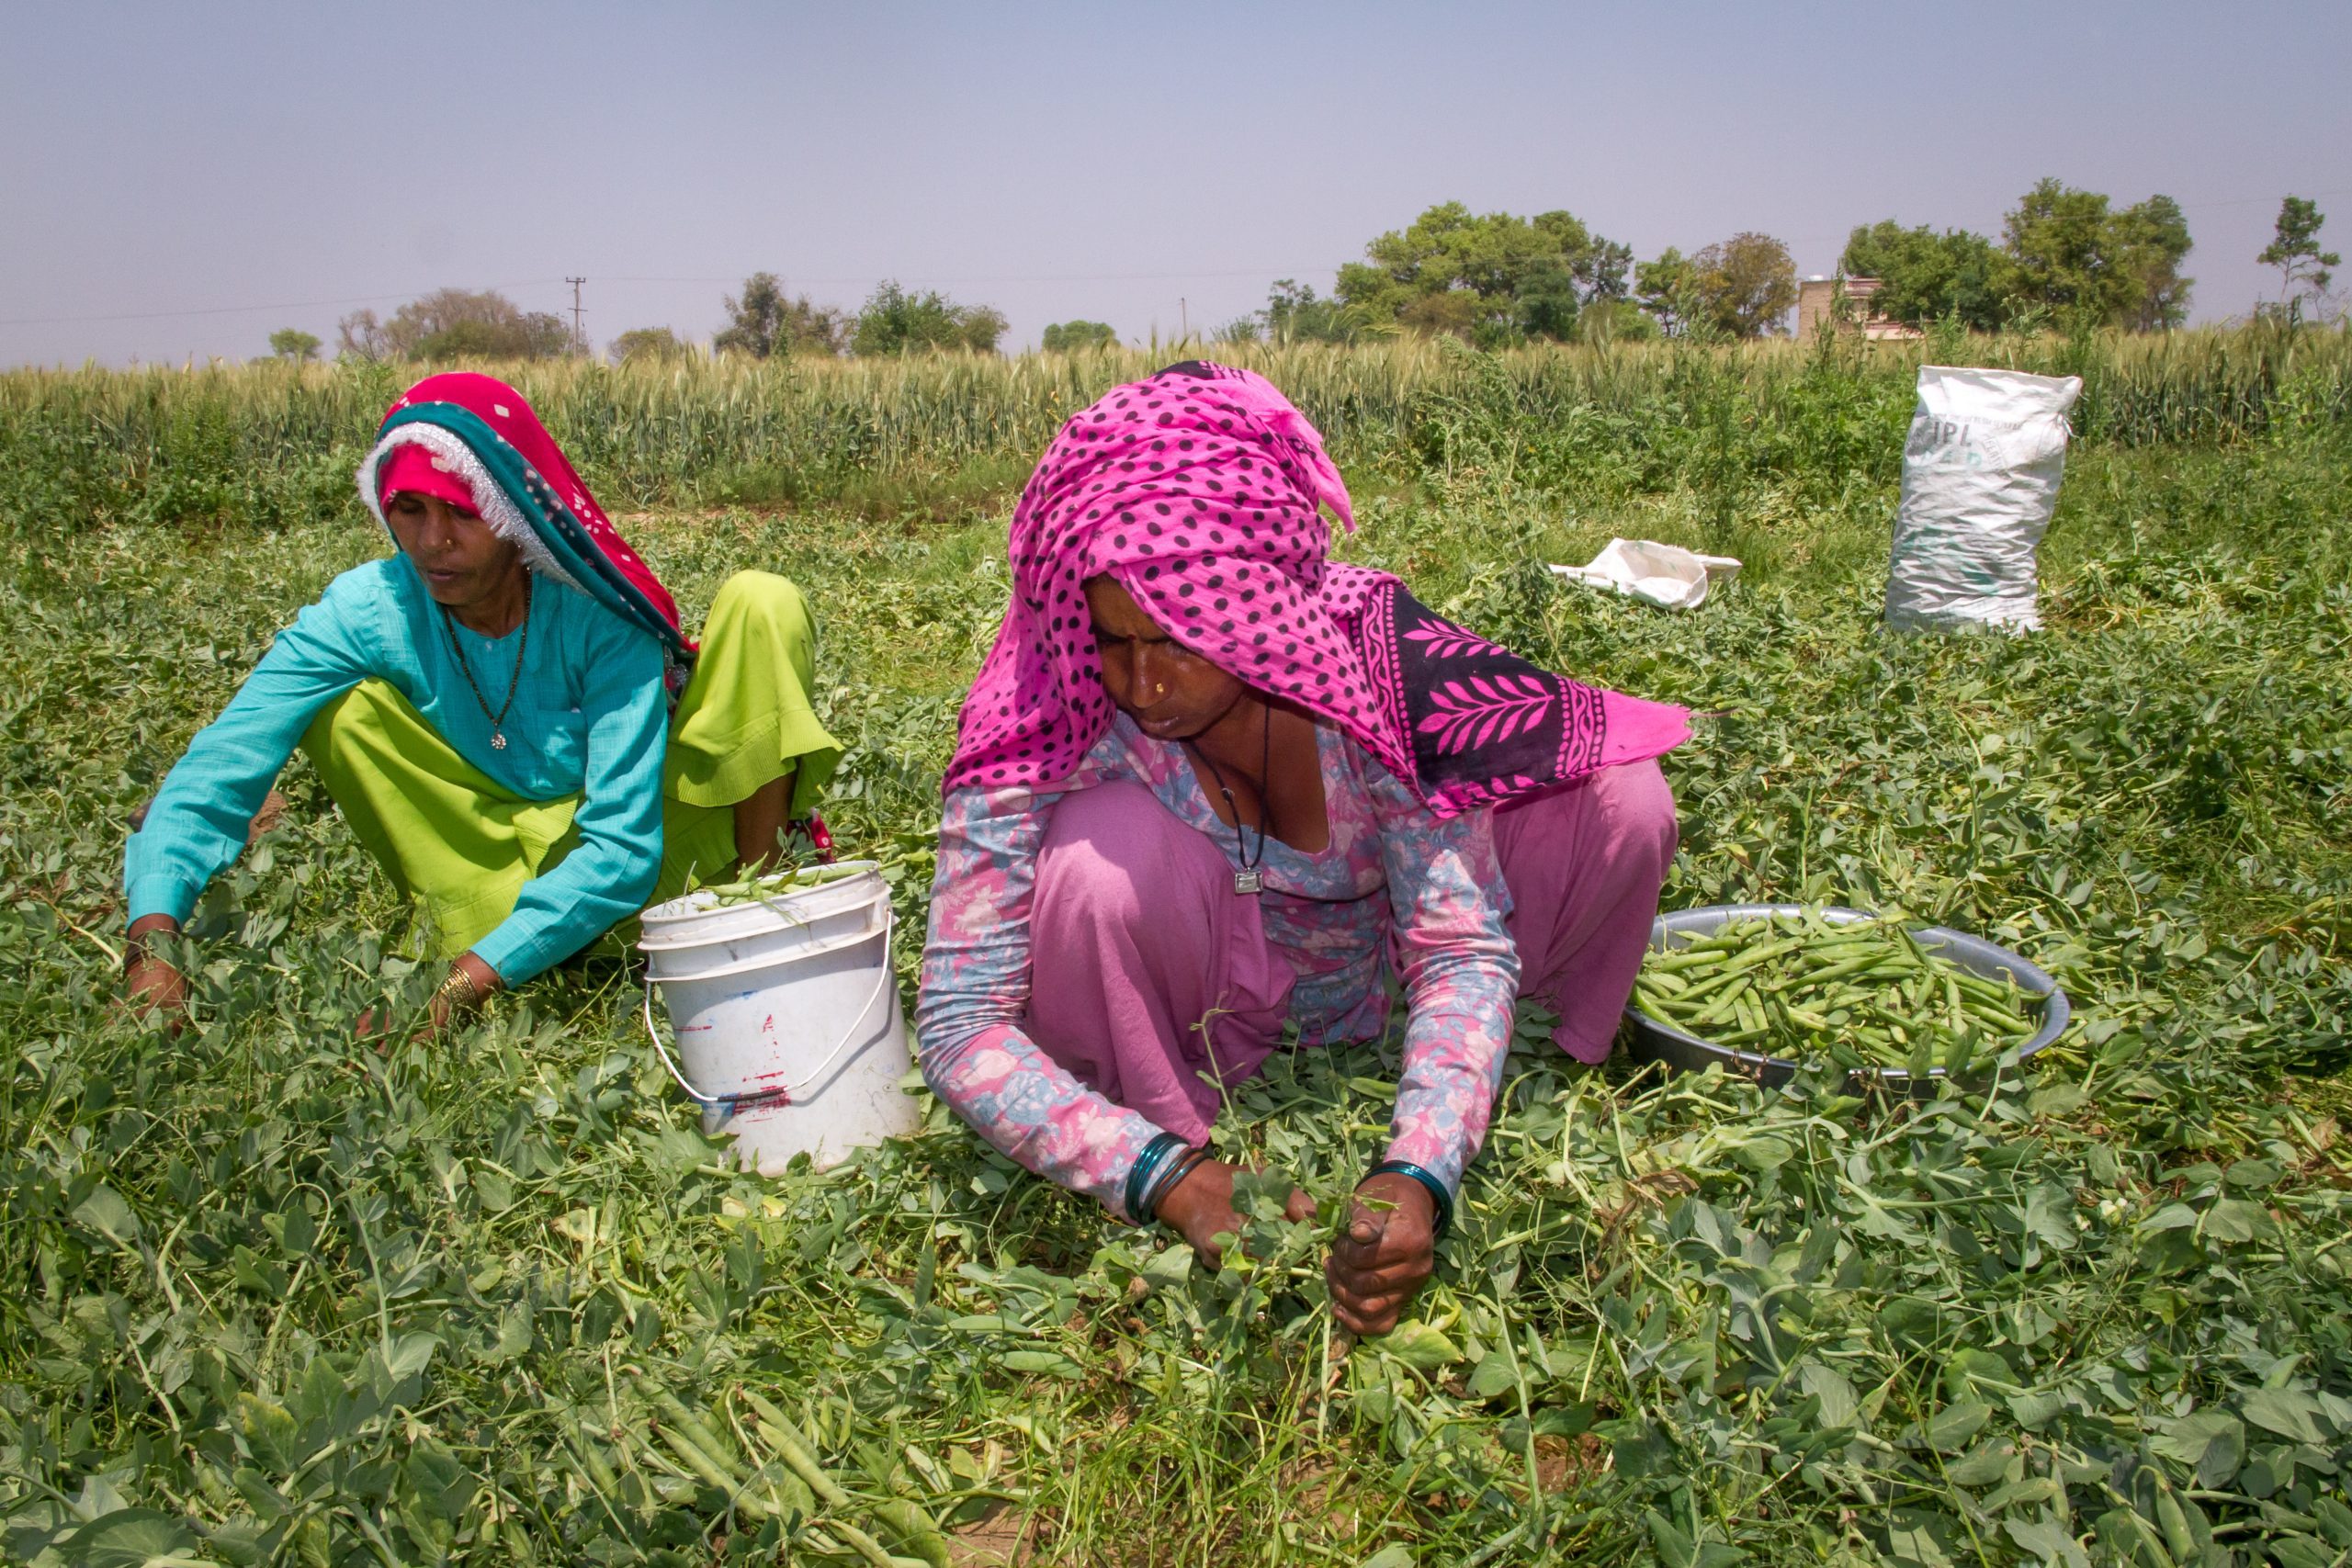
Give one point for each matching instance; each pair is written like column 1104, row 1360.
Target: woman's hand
column 153, row 988
column 1380, row 1261
column 1200, row 1207
column 451, row 1004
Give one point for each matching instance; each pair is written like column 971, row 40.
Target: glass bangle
column 1439, row 1198
column 1171, row 1176
column 1155, row 1155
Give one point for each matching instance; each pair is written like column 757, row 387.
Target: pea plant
column 277, row 1294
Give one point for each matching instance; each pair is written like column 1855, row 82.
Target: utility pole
column 1184, row 318
column 579, row 342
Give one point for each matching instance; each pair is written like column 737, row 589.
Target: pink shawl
column 1198, row 490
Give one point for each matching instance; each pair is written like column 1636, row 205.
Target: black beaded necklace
column 1249, row 879
column 514, row 684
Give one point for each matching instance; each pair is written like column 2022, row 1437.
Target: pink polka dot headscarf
column 1200, row 491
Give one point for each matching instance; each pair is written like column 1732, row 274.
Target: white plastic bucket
column 786, row 1016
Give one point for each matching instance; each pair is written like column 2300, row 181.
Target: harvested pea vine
column 776, row 884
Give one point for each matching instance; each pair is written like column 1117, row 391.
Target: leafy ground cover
column 276, row 1297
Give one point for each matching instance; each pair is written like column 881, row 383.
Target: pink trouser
column 1136, row 938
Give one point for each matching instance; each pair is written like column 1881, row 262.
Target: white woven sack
column 1980, row 480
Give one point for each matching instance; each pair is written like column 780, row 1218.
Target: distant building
column 1847, row 301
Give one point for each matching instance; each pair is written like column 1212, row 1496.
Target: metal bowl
column 1653, row 1041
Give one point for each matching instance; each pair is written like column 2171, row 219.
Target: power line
column 537, row 282
column 1009, row 277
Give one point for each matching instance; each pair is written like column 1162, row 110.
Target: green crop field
column 269, row 1295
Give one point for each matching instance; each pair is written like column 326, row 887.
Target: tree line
column 763, row 320
column 2067, row 259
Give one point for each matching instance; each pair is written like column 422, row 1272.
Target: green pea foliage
column 277, row 1294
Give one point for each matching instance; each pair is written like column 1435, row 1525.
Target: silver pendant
column 1246, row 880
column 498, row 740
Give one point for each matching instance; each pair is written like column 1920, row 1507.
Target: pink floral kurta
column 1396, row 886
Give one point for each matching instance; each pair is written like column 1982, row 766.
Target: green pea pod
column 1652, row 1003
column 1684, row 959
column 1984, row 992
column 1748, row 958
column 1725, row 1006
column 1960, row 1052
column 1713, row 984
column 866, row 1546
column 2179, row 1539
column 2007, row 1028
column 691, row 1422
column 1861, row 964
column 1721, row 940
column 784, row 1436
column 708, row 1469
column 915, row 1530
column 591, row 1460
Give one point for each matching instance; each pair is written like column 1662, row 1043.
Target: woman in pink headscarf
column 504, row 710
column 1211, row 787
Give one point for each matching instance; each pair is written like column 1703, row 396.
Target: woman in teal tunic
column 506, row 711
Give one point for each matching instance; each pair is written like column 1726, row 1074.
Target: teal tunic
column 589, row 720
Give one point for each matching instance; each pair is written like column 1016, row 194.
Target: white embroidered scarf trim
column 451, row 455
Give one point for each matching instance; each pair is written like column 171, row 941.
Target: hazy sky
column 182, row 179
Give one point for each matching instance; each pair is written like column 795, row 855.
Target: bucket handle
column 782, row 1092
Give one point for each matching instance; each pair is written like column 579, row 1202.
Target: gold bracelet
column 459, row 990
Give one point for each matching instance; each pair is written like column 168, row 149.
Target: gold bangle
column 458, row 990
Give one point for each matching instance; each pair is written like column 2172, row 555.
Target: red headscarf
column 543, row 506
